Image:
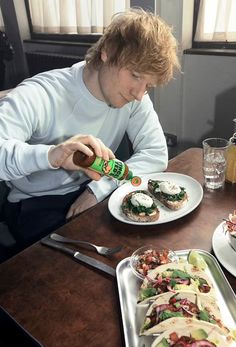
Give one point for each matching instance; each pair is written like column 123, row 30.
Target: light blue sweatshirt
column 53, row 106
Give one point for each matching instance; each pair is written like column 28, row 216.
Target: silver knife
column 79, row 256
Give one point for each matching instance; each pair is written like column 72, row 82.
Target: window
column 71, row 19
column 215, row 24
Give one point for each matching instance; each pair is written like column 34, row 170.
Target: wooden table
column 64, row 303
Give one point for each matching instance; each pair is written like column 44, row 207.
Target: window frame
column 79, row 38
column 208, row 44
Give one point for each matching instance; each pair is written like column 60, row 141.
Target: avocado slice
column 199, row 334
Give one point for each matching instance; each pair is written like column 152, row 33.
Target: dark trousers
column 31, row 219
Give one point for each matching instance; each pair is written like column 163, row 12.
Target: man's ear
column 104, row 56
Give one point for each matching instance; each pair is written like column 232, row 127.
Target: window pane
column 216, row 21
column 73, row 16
column 210, row 13
column 232, row 21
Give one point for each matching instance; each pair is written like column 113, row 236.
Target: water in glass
column 214, row 165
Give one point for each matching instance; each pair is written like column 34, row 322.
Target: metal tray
column 128, row 286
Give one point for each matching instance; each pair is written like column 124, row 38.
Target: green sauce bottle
column 112, row 168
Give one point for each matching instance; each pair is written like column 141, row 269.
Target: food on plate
column 140, row 207
column 191, row 334
column 147, row 258
column 230, row 227
column 174, row 277
column 170, row 309
column 168, row 193
column 230, row 223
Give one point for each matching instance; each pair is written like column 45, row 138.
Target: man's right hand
column 62, row 154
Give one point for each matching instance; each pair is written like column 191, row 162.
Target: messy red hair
column 138, row 40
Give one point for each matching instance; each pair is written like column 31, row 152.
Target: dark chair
column 125, row 149
column 7, row 241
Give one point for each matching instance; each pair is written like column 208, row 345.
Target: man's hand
column 82, row 203
column 62, row 154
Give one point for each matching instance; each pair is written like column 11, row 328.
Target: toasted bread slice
column 173, row 202
column 139, row 213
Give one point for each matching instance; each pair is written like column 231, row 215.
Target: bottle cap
column 136, row 181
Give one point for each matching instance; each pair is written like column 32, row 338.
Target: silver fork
column 100, row 249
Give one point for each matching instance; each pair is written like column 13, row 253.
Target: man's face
column 120, row 86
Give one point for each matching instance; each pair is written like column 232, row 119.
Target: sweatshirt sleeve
column 19, row 119
column 149, row 145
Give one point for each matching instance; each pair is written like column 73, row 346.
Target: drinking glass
column 214, row 162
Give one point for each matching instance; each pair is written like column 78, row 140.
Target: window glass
column 216, row 21
column 73, row 16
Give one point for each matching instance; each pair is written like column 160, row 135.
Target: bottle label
column 113, row 168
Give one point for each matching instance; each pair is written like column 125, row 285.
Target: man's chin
column 118, row 104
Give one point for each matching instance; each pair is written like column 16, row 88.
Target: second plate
column 223, row 251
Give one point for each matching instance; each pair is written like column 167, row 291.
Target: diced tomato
column 172, row 300
column 174, row 337
column 145, row 269
column 152, row 258
column 149, row 259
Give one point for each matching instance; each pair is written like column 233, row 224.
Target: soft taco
column 192, row 334
column 179, row 309
column 175, row 277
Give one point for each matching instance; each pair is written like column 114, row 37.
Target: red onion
column 202, row 343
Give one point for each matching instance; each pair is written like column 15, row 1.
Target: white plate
column 193, row 189
column 223, row 251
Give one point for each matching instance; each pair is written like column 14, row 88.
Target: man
column 105, row 96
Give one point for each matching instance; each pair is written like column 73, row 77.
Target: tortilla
column 190, row 328
column 175, row 277
column 171, row 309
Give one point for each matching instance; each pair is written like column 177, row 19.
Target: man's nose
column 139, row 91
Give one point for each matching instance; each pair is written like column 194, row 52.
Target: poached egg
column 141, row 199
column 169, row 188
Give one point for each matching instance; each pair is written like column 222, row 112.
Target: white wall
column 209, row 96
